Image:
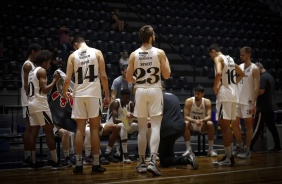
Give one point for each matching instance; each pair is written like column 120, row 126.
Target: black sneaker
column 110, row 158
column 98, row 169
column 275, row 149
column 57, row 165
column 26, row 161
column 36, row 166
column 78, row 170
column 103, row 160
column 118, row 157
column 67, row 162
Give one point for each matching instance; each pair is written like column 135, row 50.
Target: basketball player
column 114, row 116
column 197, row 115
column 28, row 65
column 146, row 65
column 227, row 75
column 89, row 67
column 38, row 107
column 248, row 89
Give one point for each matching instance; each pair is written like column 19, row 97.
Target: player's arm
column 218, row 72
column 239, row 74
column 164, row 64
column 69, row 73
column 187, row 109
column 41, row 76
column 26, row 68
column 114, row 109
column 130, row 68
column 256, row 77
column 208, row 108
column 103, row 77
column 263, row 85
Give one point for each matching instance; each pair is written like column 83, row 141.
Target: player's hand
column 106, row 102
column 253, row 109
column 56, row 77
column 198, row 123
column 68, row 95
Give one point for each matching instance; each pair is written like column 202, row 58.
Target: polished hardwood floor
column 263, row 167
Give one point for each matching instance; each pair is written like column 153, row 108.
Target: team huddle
column 154, row 112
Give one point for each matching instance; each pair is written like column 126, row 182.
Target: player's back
column 86, row 68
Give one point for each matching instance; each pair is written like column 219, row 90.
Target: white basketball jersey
column 86, row 69
column 246, row 85
column 37, row 100
column 147, row 68
column 228, row 91
column 24, row 100
column 110, row 115
column 198, row 112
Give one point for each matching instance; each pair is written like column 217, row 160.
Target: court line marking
column 193, row 175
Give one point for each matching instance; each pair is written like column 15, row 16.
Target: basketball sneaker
column 110, row 158
column 153, row 168
column 26, row 161
column 244, row 154
column 187, row 152
column 67, row 162
column 88, row 160
column 126, row 158
column 237, row 150
column 57, row 165
column 78, row 170
column 141, row 168
column 211, row 153
column 193, row 159
column 225, row 161
column 98, row 169
column 275, row 149
column 36, row 166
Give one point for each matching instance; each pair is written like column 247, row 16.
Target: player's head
column 213, row 50
column 245, row 53
column 125, row 96
column 77, row 40
column 33, row 50
column 147, row 34
column 199, row 92
column 43, row 59
column 260, row 66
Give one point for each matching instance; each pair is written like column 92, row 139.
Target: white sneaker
column 153, row 168
column 244, row 154
column 226, row 162
column 212, row 153
column 237, row 150
column 187, row 152
column 141, row 168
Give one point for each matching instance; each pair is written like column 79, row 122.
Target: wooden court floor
column 263, row 167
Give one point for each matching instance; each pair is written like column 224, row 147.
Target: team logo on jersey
column 142, row 56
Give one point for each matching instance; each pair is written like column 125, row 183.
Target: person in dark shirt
column 265, row 108
column 172, row 127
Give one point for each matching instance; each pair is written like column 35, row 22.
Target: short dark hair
column 199, row 88
column 43, row 56
column 33, row 47
column 77, row 39
column 214, row 47
column 125, row 92
column 145, row 33
column 259, row 65
column 247, row 49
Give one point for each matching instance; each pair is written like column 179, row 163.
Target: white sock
column 78, row 160
column 124, row 147
column 188, row 146
column 210, row 145
column 96, row 160
column 54, row 156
